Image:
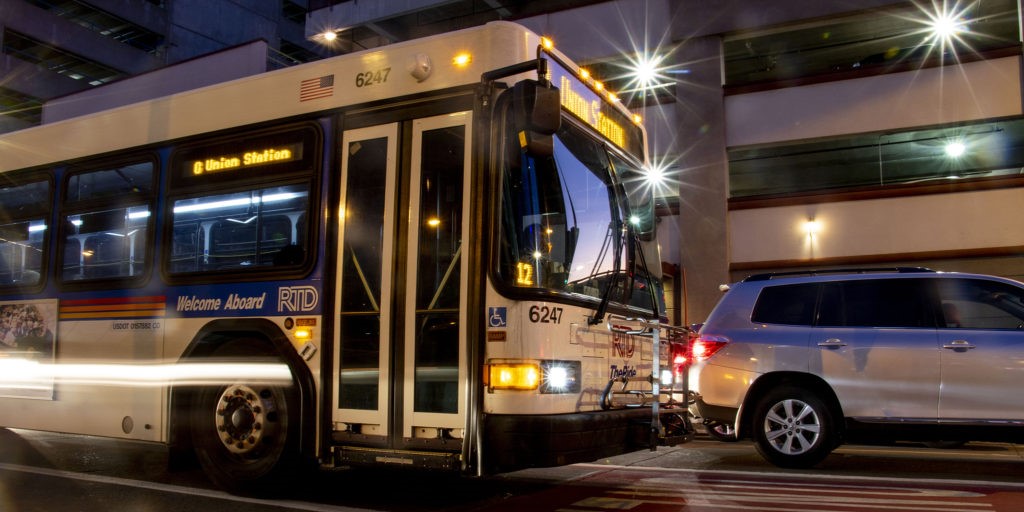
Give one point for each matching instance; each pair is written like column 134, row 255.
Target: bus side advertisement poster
column 27, row 343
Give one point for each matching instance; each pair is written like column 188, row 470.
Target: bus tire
column 246, row 434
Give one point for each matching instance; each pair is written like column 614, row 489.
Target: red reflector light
column 707, row 345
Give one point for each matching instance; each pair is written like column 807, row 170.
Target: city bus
column 435, row 254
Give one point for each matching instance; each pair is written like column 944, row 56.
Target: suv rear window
column 790, row 304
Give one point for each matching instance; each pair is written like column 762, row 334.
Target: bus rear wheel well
column 263, row 339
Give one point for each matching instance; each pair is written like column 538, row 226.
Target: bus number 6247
column 545, row 315
column 375, row 77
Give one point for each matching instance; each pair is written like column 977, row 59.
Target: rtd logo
column 297, row 298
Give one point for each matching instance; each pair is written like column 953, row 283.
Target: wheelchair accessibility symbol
column 496, row 317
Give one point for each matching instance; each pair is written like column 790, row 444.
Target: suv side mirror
column 538, row 115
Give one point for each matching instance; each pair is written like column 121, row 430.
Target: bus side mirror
column 538, row 115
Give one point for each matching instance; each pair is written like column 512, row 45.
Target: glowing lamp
column 955, row 149
column 514, row 376
column 462, row 60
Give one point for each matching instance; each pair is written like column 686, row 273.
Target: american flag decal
column 313, row 88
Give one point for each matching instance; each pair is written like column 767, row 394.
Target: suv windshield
column 567, row 225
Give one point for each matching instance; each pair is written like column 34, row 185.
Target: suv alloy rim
column 792, row 427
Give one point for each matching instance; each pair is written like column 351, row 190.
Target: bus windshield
column 565, row 223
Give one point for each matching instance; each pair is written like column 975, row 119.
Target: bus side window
column 21, row 253
column 106, row 233
column 105, row 244
column 23, row 207
column 240, row 230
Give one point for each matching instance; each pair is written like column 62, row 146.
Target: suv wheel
column 720, row 431
column 793, row 428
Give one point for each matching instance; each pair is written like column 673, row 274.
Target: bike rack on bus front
column 679, row 430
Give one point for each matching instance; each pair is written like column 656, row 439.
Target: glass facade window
column 57, row 60
column 894, row 39
column 870, row 161
column 104, row 23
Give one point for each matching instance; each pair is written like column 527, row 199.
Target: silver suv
column 804, row 362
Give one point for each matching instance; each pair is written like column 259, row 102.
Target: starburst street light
column 946, row 26
column 943, row 24
column 646, row 72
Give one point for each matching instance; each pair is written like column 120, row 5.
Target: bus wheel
column 245, row 434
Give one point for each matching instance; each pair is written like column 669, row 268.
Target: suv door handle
column 959, row 345
column 832, row 343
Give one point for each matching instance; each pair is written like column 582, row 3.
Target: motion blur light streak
column 18, row 373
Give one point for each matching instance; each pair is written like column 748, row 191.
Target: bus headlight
column 560, row 376
column 547, row 376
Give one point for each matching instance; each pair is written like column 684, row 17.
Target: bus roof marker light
column 462, row 59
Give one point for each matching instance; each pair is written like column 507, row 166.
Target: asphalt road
column 51, row 472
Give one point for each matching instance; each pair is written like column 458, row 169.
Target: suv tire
column 793, row 428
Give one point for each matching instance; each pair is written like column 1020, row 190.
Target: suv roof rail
column 902, row 270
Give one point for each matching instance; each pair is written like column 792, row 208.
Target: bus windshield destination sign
column 286, row 153
column 586, row 104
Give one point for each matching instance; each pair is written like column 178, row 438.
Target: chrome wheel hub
column 244, row 418
column 792, row 427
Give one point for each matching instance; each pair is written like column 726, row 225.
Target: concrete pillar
column 703, row 175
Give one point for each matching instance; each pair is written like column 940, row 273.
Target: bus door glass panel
column 982, row 355
column 254, row 228
column 435, row 305
column 364, row 282
column 23, row 213
column 100, row 241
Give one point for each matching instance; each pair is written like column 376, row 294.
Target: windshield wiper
column 613, row 229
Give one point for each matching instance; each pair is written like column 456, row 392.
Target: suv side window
column 980, row 304
column 791, row 304
column 876, row 303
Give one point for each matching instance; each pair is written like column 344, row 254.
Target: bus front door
column 399, row 386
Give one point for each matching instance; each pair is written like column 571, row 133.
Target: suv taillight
column 706, row 345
